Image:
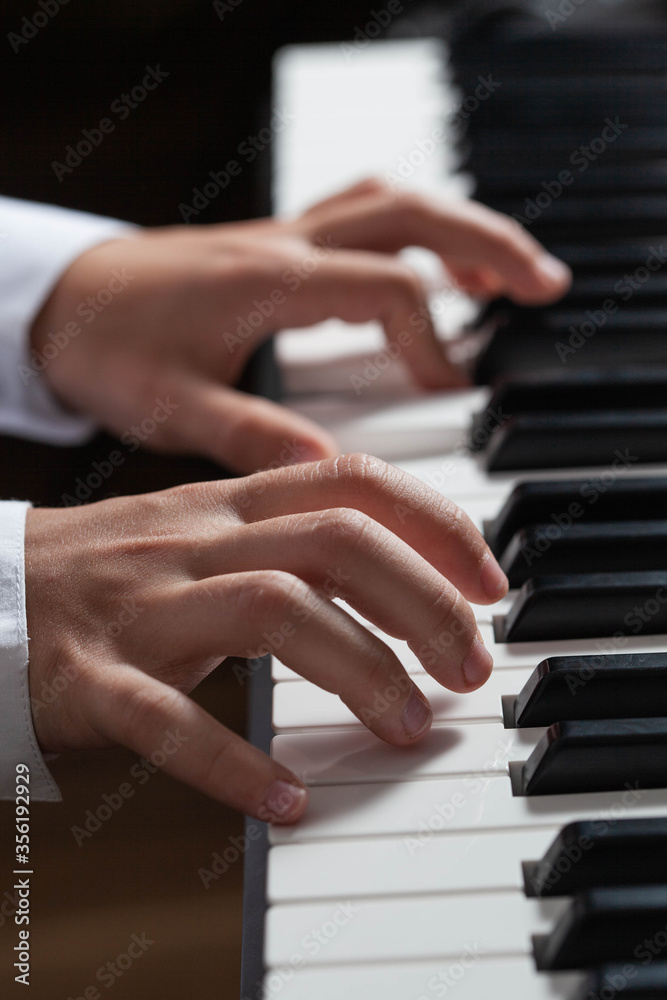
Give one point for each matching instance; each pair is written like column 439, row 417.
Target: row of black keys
column 617, row 873
column 589, row 555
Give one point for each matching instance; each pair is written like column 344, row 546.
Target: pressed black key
column 594, row 499
column 619, row 547
column 631, row 387
column 627, row 981
column 606, row 925
column 606, row 686
column 600, row 755
column 593, row 853
column 586, row 606
column 565, row 440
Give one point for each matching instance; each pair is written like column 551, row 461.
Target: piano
column 520, row 850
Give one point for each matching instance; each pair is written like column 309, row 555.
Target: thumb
column 246, row 432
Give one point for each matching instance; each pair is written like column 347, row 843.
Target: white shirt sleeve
column 37, row 244
column 18, row 743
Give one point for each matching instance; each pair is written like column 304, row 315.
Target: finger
column 358, row 287
column 242, row 431
column 430, row 523
column 253, row 613
column 139, row 712
column 344, row 553
column 366, row 186
column 465, row 233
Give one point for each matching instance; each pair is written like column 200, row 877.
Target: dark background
column 139, row 872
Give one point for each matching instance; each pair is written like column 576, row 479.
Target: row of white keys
column 429, row 863
column 467, row 978
column 300, row 706
column 403, row 808
column 330, row 758
column 414, row 928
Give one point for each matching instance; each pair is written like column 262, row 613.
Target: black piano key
column 619, row 547
column 567, row 440
column 587, row 606
column 588, row 288
column 627, row 981
column 592, row 853
column 535, row 50
column 606, row 686
column 606, row 925
column 590, row 217
column 588, row 500
column 626, row 254
column 648, row 177
column 548, row 342
column 632, row 387
column 598, row 755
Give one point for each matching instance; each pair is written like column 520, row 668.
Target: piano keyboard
column 449, row 868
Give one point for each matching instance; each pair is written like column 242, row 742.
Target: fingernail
column 417, row 714
column 477, row 664
column 284, row 801
column 493, row 579
column 303, row 451
column 553, row 269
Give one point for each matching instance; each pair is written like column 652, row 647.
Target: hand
column 196, row 301
column 131, row 602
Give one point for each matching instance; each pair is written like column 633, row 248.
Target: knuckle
column 142, row 707
column 359, row 470
column 267, row 593
column 405, row 282
column 341, row 528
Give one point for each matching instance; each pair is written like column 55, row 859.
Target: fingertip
column 492, row 578
column 417, row 715
column 284, row 802
column 477, row 664
column 555, row 276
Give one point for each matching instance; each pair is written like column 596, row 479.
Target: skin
column 170, row 333
column 135, row 600
column 208, row 570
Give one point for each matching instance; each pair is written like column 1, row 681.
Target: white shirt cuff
column 37, row 244
column 18, row 743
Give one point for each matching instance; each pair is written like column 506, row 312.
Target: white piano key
column 302, row 705
column 412, row 928
column 447, row 751
column 466, row 978
column 421, row 423
column 384, row 866
column 415, row 809
column 518, row 654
